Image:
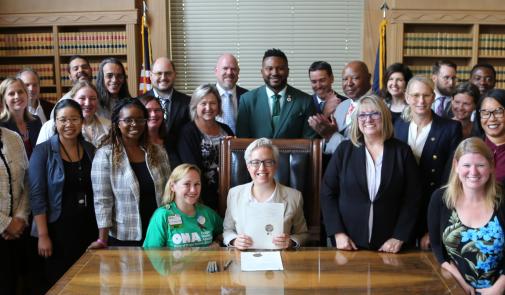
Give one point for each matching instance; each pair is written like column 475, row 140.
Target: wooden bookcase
column 419, row 37
column 46, row 41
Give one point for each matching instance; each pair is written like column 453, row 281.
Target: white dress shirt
column 373, row 178
column 38, row 111
column 417, row 140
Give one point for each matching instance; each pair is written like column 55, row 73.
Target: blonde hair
column 80, row 85
column 407, row 111
column 356, row 135
column 177, row 174
column 5, row 114
column 454, row 187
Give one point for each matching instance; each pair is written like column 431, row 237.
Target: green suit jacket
column 255, row 120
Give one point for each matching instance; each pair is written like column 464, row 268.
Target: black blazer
column 179, row 116
column 33, row 129
column 240, row 91
column 345, row 201
column 436, row 159
column 316, row 103
column 47, row 107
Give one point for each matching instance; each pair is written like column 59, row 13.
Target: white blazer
column 294, row 220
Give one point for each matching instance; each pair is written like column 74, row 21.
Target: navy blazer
column 436, row 159
column 46, row 178
column 345, row 201
column 33, row 129
column 316, row 103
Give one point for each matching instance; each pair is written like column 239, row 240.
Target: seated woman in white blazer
column 261, row 157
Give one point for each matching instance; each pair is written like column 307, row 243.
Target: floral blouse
column 477, row 252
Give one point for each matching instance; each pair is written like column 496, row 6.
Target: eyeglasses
column 257, row 163
column 72, row 121
column 131, row 121
column 160, row 74
column 497, row 113
column 373, row 115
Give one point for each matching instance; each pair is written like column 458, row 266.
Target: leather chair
column 299, row 167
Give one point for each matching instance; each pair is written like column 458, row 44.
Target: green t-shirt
column 169, row 227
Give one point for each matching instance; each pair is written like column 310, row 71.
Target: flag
column 380, row 59
column 145, row 81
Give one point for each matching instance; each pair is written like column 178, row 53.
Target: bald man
column 355, row 84
column 175, row 104
column 227, row 74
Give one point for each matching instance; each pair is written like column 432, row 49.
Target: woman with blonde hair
column 14, row 114
column 182, row 221
column 432, row 139
column 369, row 192
column 466, row 221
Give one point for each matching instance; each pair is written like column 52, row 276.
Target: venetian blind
column 306, row 31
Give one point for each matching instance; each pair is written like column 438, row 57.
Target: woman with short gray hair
column 199, row 139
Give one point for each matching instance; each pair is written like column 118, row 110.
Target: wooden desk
column 306, row 271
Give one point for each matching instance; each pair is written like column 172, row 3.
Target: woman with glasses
column 128, row 176
column 432, row 139
column 466, row 219
column 61, row 196
column 490, row 121
column 199, row 139
column 111, row 84
column 262, row 158
column 370, row 190
column 181, row 214
column 94, row 127
column 14, row 114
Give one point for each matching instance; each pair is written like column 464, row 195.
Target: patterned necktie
column 321, row 106
column 440, row 107
column 276, row 110
column 228, row 110
column 165, row 105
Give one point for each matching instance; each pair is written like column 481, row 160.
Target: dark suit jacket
column 345, row 201
column 436, row 158
column 316, row 103
column 240, row 91
column 47, row 107
column 179, row 116
column 33, row 130
column 255, row 120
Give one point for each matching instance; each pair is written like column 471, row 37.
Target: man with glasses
column 444, row 78
column 175, row 104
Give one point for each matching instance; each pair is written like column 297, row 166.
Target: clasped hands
column 15, row 229
column 344, row 242
column 243, row 242
column 325, row 126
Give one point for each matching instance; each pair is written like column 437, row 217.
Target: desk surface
column 306, row 271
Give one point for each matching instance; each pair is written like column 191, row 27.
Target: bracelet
column 102, row 242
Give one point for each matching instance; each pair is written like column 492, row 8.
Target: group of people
column 402, row 169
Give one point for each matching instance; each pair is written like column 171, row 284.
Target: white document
column 263, row 222
column 258, row 261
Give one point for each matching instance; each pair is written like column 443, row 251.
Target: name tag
column 174, row 219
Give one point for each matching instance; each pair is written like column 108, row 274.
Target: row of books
column 92, row 42
column 24, row 44
column 426, row 70
column 49, row 96
column 65, row 79
column 437, row 44
column 492, row 45
column 45, row 71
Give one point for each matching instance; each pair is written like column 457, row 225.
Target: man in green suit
column 275, row 110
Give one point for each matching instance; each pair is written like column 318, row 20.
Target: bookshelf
column 419, row 37
column 46, row 41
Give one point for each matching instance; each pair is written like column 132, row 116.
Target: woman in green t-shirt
column 182, row 221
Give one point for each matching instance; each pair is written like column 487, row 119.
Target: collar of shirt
column 270, row 92
column 222, row 91
column 38, row 111
column 169, row 97
column 269, row 200
column 417, row 140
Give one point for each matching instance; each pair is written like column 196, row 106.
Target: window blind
column 306, row 31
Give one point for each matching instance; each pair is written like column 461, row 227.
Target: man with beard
column 483, row 76
column 275, row 110
column 227, row 71
column 175, row 104
column 36, row 106
column 355, row 84
column 444, row 78
column 78, row 70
